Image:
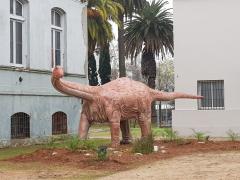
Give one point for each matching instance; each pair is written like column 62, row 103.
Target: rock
column 201, row 142
column 163, row 151
column 110, row 149
column 54, row 153
column 162, row 147
column 138, row 154
column 87, row 154
column 116, row 152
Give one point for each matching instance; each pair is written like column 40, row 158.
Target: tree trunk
column 92, row 70
column 148, row 68
column 104, row 64
column 124, row 125
column 121, row 49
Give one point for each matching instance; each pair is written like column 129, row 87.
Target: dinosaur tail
column 168, row 96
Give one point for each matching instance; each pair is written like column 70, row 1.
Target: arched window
column 59, row 123
column 20, row 126
column 57, row 34
column 17, row 21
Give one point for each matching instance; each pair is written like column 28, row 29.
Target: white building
column 207, row 62
column 36, row 36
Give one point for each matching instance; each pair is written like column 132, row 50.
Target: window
column 20, row 126
column 59, row 123
column 16, row 32
column 213, row 92
column 57, row 37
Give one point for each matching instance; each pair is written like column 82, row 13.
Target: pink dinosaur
column 116, row 101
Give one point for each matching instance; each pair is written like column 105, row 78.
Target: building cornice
column 37, row 71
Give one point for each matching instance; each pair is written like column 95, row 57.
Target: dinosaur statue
column 116, row 101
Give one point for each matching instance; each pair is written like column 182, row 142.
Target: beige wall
column 207, row 47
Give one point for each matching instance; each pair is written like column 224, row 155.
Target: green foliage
column 169, row 135
column 88, row 145
column 73, row 144
column 200, row 136
column 144, row 145
column 102, row 153
column 152, row 28
column 105, row 64
column 232, row 135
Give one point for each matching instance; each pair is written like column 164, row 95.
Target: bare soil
column 123, row 159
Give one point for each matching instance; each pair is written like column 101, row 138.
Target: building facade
column 207, row 63
column 36, row 36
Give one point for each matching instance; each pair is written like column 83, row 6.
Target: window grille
column 213, row 92
column 59, row 123
column 20, row 126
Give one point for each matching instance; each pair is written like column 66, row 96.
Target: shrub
column 232, row 135
column 73, row 144
column 169, row 135
column 144, row 145
column 102, row 153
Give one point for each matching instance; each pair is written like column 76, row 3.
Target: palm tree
column 130, row 7
column 99, row 12
column 150, row 32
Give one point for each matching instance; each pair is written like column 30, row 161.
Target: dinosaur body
column 116, row 101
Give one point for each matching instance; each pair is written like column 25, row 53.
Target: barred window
column 59, row 123
column 213, row 92
column 20, row 126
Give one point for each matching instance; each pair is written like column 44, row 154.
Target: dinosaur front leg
column 115, row 129
column 83, row 126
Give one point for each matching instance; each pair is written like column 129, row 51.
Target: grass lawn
column 103, row 131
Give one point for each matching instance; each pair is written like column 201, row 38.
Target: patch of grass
column 144, row 145
column 11, row 152
column 232, row 135
column 169, row 135
column 73, row 144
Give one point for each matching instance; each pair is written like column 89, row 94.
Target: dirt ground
column 204, row 166
column 174, row 160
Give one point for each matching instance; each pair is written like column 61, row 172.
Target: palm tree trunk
column 148, row 68
column 121, row 49
column 124, row 125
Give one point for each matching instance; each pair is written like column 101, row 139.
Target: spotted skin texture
column 118, row 100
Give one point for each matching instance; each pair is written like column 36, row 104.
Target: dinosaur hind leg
column 144, row 121
column 125, row 129
column 115, row 128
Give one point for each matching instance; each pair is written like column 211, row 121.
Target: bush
column 102, row 153
column 144, row 145
column 232, row 135
column 169, row 135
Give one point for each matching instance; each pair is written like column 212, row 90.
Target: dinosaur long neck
column 73, row 89
column 166, row 96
